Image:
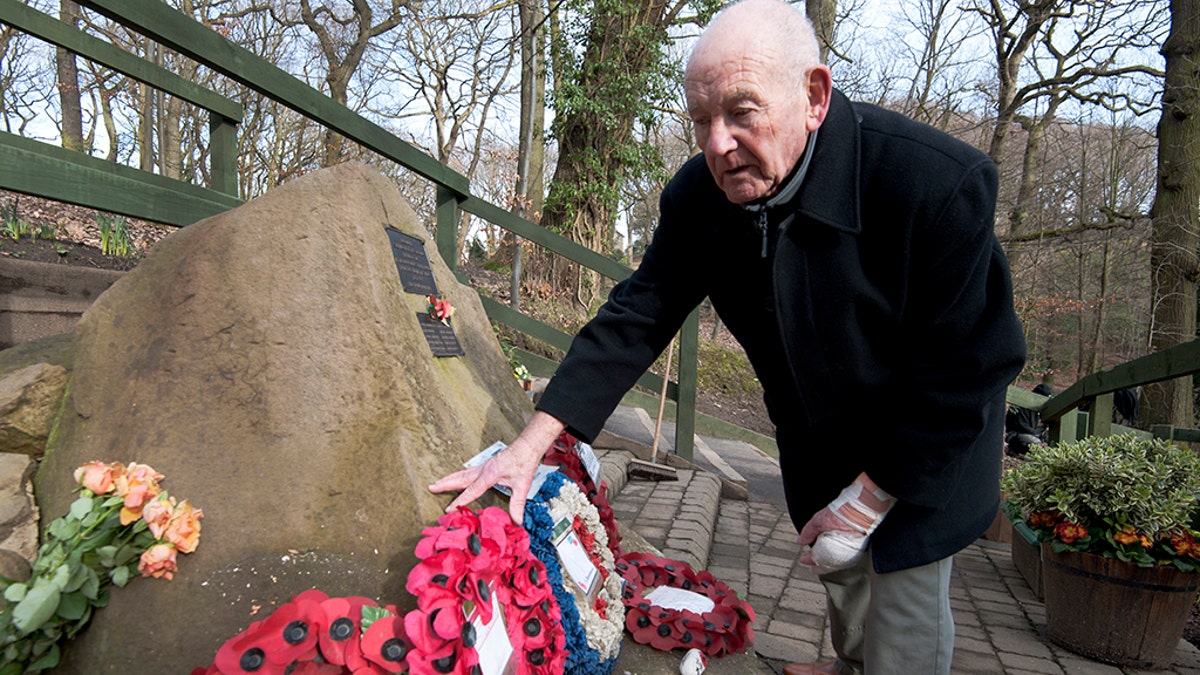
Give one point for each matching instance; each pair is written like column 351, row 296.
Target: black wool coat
column 880, row 324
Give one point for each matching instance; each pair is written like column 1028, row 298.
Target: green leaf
column 11, row 669
column 125, row 554
column 371, row 614
column 107, row 555
column 62, row 575
column 72, row 606
column 81, row 507
column 16, row 592
column 79, row 574
column 47, row 661
column 36, row 608
column 65, row 529
column 120, row 576
column 91, row 585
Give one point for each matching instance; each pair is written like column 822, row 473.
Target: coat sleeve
column 631, row 329
column 963, row 345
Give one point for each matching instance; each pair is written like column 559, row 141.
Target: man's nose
column 720, row 138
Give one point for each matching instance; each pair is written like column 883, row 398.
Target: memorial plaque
column 415, row 274
column 441, row 337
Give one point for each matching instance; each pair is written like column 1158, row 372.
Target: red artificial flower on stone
column 339, row 637
column 386, row 645
column 246, row 653
column 293, row 630
column 1069, row 533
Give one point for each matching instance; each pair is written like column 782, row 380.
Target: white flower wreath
column 603, row 634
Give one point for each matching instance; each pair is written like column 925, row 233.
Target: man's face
column 750, row 124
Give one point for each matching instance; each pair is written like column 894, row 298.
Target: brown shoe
column 826, row 668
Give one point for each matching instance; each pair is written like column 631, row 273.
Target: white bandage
column 839, row 549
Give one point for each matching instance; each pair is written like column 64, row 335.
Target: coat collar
column 830, row 193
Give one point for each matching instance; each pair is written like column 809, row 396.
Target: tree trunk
column 68, row 83
column 823, row 14
column 624, row 46
column 1173, row 259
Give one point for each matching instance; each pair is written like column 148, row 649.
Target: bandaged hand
column 839, row 533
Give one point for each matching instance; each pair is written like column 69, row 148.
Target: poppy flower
column 528, row 584
column 386, row 645
column 292, row 631
column 246, row 653
column 339, row 635
column 443, row 569
column 316, row 668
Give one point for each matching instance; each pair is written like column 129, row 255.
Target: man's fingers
column 469, row 494
column 516, row 508
column 455, row 481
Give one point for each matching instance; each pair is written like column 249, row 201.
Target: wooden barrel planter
column 1116, row 612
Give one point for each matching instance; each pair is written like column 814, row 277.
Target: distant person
column 851, row 251
column 1023, row 427
column 1125, row 406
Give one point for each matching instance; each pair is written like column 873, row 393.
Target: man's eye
column 742, row 112
column 700, row 121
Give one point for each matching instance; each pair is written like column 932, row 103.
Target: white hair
column 775, row 23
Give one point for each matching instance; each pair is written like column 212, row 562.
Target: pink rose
column 158, row 561
column 183, row 530
column 158, row 513
column 96, row 477
column 138, row 485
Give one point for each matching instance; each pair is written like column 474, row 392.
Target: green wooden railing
column 1064, row 420
column 45, row 170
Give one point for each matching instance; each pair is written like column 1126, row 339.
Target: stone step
column 676, row 517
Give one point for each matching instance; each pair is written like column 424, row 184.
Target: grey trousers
column 898, row 622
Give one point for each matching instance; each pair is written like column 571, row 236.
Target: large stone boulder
column 270, row 364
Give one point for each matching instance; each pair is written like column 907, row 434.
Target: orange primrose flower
column 1128, row 535
column 1043, row 518
column 1069, row 533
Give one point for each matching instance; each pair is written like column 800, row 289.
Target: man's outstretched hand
column 514, row 467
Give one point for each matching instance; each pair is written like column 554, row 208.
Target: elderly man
column 851, row 253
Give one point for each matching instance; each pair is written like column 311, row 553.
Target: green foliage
column 85, row 553
column 519, row 370
column 1117, row 496
column 114, row 236
column 13, row 226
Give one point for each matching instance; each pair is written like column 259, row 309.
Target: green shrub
column 1118, row 496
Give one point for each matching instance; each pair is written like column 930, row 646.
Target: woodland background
column 570, row 112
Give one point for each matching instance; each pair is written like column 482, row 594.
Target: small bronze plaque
column 441, row 337
column 415, row 274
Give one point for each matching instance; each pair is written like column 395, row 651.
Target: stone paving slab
column 752, row 546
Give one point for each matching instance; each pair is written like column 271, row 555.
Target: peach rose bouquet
column 123, row 523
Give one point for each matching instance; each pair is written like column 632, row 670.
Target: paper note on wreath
column 487, row 453
column 491, row 641
column 669, row 597
column 574, row 558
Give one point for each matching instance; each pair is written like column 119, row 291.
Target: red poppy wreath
column 717, row 627
column 483, row 601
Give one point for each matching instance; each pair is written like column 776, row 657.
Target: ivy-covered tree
column 609, row 75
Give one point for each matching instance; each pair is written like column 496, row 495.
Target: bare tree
column 68, row 83
column 1176, row 233
column 343, row 31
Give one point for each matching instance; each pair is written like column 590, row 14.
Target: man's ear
column 818, row 87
